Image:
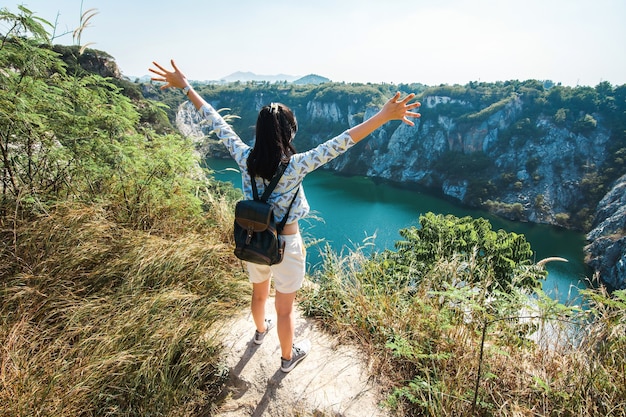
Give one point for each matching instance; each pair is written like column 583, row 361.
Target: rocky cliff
column 518, row 155
column 606, row 252
column 523, row 178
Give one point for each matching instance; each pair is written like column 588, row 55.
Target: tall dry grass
column 442, row 349
column 100, row 320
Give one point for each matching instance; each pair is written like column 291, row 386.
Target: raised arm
column 176, row 79
column 394, row 109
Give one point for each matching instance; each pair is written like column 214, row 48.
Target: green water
column 355, row 209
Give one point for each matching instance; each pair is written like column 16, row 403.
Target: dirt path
column 332, row 380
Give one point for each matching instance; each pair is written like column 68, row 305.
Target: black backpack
column 257, row 237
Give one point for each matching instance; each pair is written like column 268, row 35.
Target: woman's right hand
column 174, row 78
column 396, row 109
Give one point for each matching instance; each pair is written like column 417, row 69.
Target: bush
column 440, row 347
column 585, row 124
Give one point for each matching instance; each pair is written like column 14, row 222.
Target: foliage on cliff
column 446, row 348
column 502, row 259
column 71, row 134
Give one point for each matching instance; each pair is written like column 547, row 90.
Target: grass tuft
column 425, row 341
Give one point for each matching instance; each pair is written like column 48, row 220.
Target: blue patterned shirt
column 299, row 166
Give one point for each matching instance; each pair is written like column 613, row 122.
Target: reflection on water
column 352, row 210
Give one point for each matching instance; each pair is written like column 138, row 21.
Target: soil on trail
column 333, row 380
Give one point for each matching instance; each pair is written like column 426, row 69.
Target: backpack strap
column 283, row 222
column 268, row 190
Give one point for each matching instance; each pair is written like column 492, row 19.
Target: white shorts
column 289, row 274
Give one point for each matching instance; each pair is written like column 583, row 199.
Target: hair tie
column 274, row 108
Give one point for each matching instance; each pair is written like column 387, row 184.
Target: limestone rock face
column 606, row 252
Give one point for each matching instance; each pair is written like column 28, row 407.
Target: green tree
column 76, row 136
column 58, row 133
column 499, row 256
column 560, row 117
column 26, row 146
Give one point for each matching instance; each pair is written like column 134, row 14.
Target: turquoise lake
column 352, row 210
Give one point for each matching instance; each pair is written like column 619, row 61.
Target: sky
column 572, row 42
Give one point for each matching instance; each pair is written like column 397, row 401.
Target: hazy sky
column 433, row 42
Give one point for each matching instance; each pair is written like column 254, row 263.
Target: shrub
column 440, row 347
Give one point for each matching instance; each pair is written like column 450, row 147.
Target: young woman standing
column 276, row 128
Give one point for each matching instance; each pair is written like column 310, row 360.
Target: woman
column 275, row 129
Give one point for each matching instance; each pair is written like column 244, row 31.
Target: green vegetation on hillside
column 116, row 268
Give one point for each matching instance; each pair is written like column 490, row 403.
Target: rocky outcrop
column 606, row 252
column 537, row 180
column 92, row 61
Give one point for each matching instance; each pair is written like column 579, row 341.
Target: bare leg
column 285, row 325
column 260, row 292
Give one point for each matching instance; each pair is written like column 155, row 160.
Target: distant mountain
column 250, row 76
column 312, row 79
column 143, row 79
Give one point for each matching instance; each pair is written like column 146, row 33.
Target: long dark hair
column 276, row 126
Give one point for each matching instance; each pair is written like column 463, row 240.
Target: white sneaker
column 298, row 352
